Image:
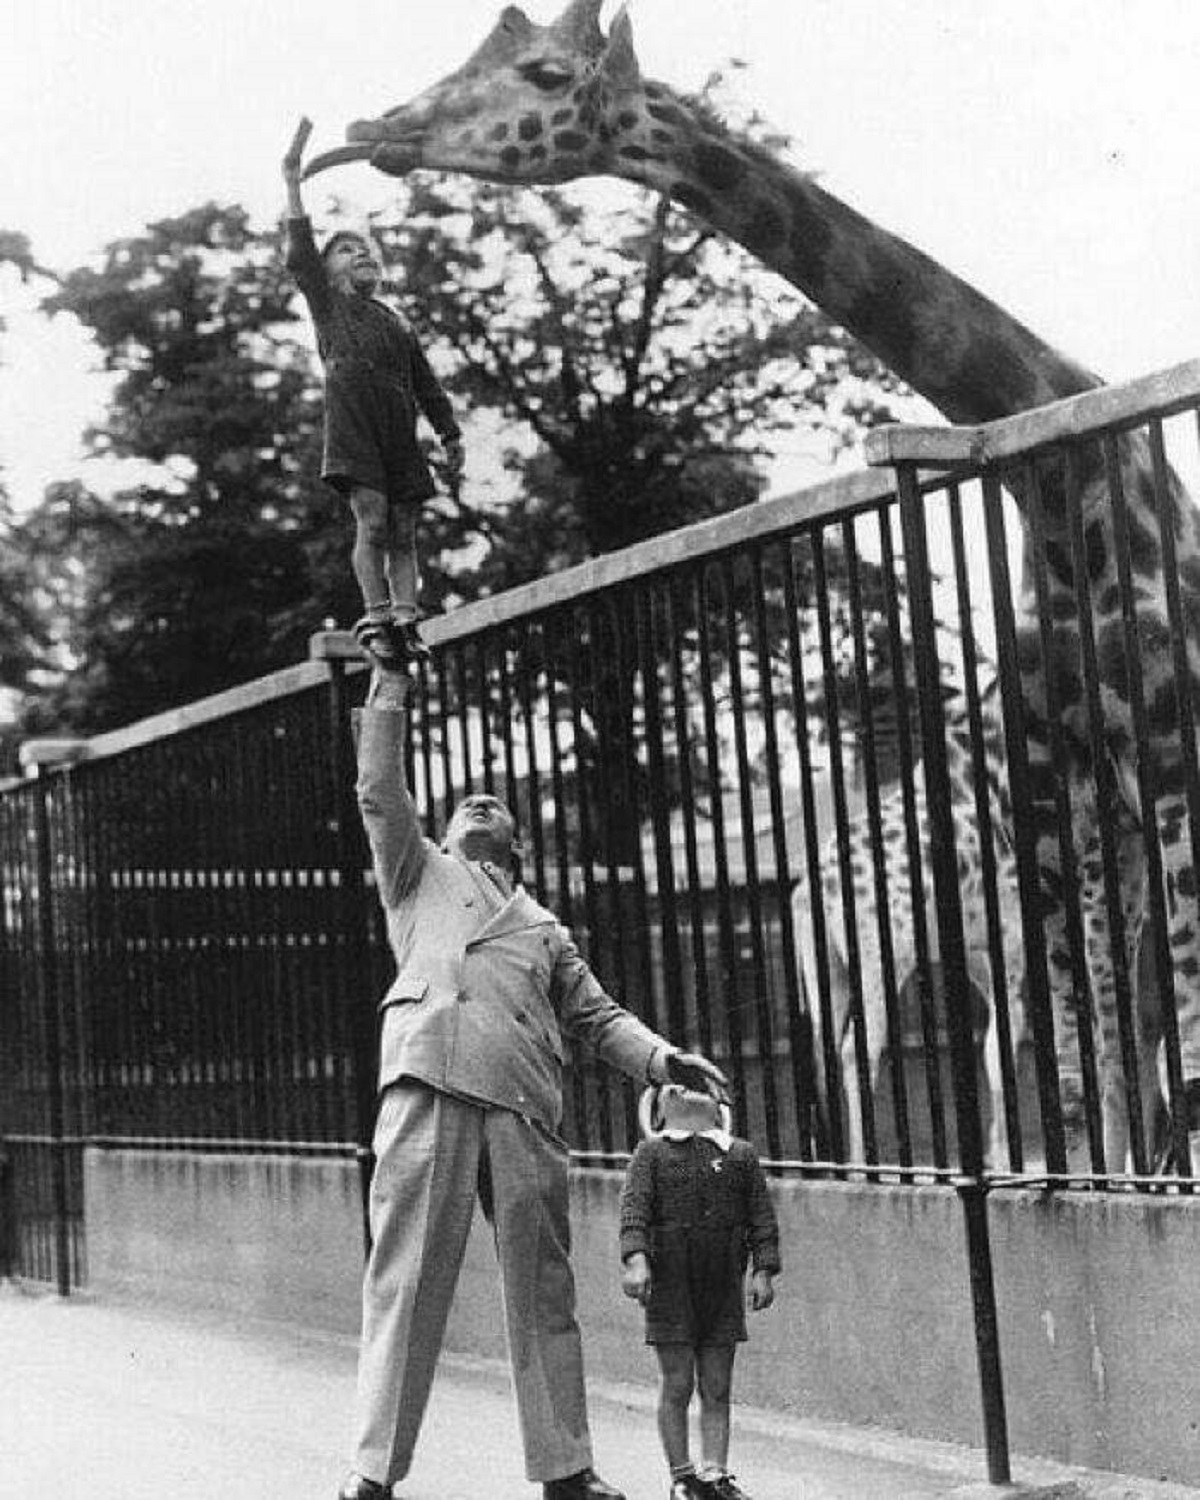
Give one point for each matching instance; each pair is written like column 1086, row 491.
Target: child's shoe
column 382, row 642
column 718, row 1484
column 688, row 1487
column 410, row 639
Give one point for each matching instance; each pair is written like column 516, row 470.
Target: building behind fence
column 692, row 734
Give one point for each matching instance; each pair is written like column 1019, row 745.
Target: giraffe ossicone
column 550, row 103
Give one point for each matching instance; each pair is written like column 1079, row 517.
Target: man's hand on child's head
column 635, row 1278
column 762, row 1291
column 696, row 1072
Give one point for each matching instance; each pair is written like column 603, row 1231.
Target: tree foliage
column 619, row 373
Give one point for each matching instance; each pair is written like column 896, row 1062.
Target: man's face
column 354, row 265
column 482, row 828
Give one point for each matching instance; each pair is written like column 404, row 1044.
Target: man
column 471, row 1101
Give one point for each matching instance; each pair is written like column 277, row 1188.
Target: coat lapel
column 520, row 910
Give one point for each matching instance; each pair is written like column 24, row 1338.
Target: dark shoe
column 410, row 641
column 586, row 1485
column 689, row 1487
column 355, row 1487
column 718, row 1484
column 382, row 642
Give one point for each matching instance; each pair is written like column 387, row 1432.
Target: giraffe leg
column 1183, row 935
column 1090, row 995
column 1102, row 980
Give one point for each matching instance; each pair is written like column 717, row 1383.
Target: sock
column 682, row 1471
column 404, row 614
column 379, row 612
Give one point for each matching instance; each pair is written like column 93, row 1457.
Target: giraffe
column 549, row 103
column 874, row 924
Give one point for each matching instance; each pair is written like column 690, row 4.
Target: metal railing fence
column 773, row 771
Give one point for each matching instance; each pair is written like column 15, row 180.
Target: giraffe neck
column 958, row 349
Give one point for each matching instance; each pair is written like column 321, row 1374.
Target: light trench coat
column 486, row 986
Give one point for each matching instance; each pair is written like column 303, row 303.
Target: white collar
column 720, row 1138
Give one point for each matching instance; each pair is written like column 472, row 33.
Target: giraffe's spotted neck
column 543, row 104
column 966, row 355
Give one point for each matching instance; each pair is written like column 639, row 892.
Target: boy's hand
column 454, row 458
column 635, row 1278
column 762, row 1291
column 295, row 152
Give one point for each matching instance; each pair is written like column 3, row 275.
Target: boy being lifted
column 376, row 379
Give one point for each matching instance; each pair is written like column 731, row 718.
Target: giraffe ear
column 580, row 23
column 620, row 60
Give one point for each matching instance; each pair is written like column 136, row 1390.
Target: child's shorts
column 697, row 1292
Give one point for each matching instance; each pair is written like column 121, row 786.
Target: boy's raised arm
column 292, row 162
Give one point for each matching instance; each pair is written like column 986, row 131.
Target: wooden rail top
column 1106, row 407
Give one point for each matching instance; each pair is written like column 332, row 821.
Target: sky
column 1043, row 149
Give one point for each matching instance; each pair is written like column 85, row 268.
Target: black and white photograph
column 599, row 750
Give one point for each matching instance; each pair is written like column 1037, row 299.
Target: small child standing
column 376, row 377
column 695, row 1210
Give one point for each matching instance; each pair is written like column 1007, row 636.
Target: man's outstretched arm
column 385, row 802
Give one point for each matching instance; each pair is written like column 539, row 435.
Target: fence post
column 39, row 757
column 956, row 988
column 335, row 648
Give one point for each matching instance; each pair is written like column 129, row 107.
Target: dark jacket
column 676, row 1188
column 376, row 380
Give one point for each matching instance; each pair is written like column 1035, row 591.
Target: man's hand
column 693, row 1071
column 388, row 689
column 762, row 1291
column 635, row 1277
column 294, row 155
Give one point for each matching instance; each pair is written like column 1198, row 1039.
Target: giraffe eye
column 546, row 76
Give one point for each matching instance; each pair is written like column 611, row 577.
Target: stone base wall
column 1098, row 1295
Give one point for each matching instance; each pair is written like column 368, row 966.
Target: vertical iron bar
column 820, row 1002
column 914, row 854
column 660, row 819
column 727, row 937
column 1054, row 668
column 954, row 971
column 353, row 999
column 1109, row 811
column 1180, row 635
column 687, row 799
column 783, row 877
column 1024, row 834
column 841, row 818
column 883, row 910
column 985, row 793
column 765, row 1039
column 49, row 995
column 591, row 900
column 1164, row 964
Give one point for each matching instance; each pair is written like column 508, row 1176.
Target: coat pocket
column 408, row 989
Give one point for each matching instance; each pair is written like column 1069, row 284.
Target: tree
column 201, row 576
column 638, row 368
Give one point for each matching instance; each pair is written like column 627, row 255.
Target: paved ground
column 101, row 1401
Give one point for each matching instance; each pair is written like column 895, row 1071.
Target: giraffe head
column 532, row 104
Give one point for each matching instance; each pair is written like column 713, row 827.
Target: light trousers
column 435, row 1154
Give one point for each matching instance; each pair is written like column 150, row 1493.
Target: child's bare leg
column 369, row 555
column 403, row 572
column 676, row 1365
column 714, row 1376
